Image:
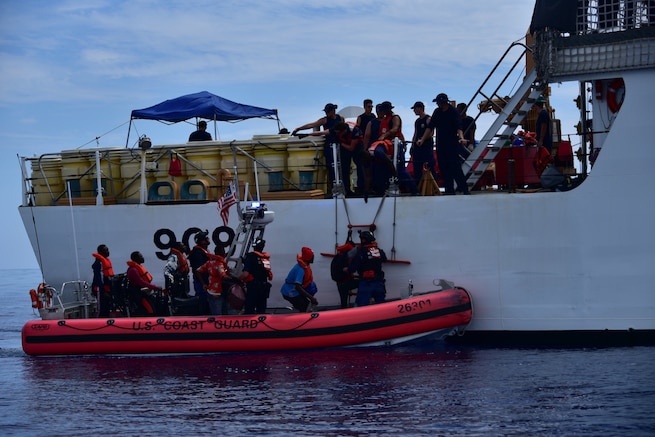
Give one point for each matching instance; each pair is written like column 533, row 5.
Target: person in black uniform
column 257, row 274
column 368, row 264
column 446, row 120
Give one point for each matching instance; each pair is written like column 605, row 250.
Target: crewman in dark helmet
column 257, row 274
column 368, row 264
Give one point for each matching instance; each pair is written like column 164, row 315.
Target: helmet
column 201, row 236
column 258, row 244
column 366, row 236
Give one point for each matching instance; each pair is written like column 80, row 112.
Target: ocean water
column 430, row 388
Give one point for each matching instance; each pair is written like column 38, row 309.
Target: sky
column 72, row 71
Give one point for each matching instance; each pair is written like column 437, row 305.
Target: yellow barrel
column 273, row 156
column 110, row 174
column 204, row 157
column 244, row 166
column 49, row 175
column 75, row 163
column 305, row 157
column 130, row 169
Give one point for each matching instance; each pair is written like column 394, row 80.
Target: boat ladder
column 250, row 228
column 511, row 112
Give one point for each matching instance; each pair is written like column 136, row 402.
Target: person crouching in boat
column 257, row 274
column 368, row 264
column 215, row 269
column 176, row 271
column 340, row 274
column 102, row 274
column 299, row 287
column 140, row 281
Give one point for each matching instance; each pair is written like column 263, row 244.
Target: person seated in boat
column 103, row 272
column 299, row 287
column 141, row 286
column 197, row 257
column 176, row 271
column 201, row 134
column 368, row 264
column 257, row 274
column 215, row 269
column 340, row 274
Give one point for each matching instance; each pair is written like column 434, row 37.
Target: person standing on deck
column 327, row 123
column 201, row 134
column 542, row 129
column 448, row 123
column 103, row 272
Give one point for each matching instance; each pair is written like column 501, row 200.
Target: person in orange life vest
column 216, row 269
column 197, row 257
column 383, row 149
column 327, row 123
column 340, row 274
column 448, row 124
column 140, row 281
column 352, row 148
column 368, row 264
column 176, row 271
column 257, row 274
column 103, row 272
column 299, row 287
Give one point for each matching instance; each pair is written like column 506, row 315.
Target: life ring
column 42, row 296
column 615, row 95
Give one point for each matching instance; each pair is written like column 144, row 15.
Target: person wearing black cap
column 257, row 274
column 544, row 137
column 327, row 124
column 201, row 134
column 198, row 256
column 446, row 120
column 423, row 154
column 368, row 264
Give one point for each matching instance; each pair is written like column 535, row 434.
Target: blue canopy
column 202, row 105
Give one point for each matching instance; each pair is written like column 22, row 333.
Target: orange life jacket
column 182, row 262
column 386, row 124
column 145, row 275
column 265, row 263
column 308, row 278
column 542, row 160
column 388, row 147
column 107, row 269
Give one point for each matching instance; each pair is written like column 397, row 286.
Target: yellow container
column 275, row 158
column 206, row 158
column 304, row 157
column 46, row 181
column 130, row 169
column 110, row 174
column 244, row 166
column 76, row 171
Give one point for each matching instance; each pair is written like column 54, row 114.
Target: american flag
column 225, row 202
